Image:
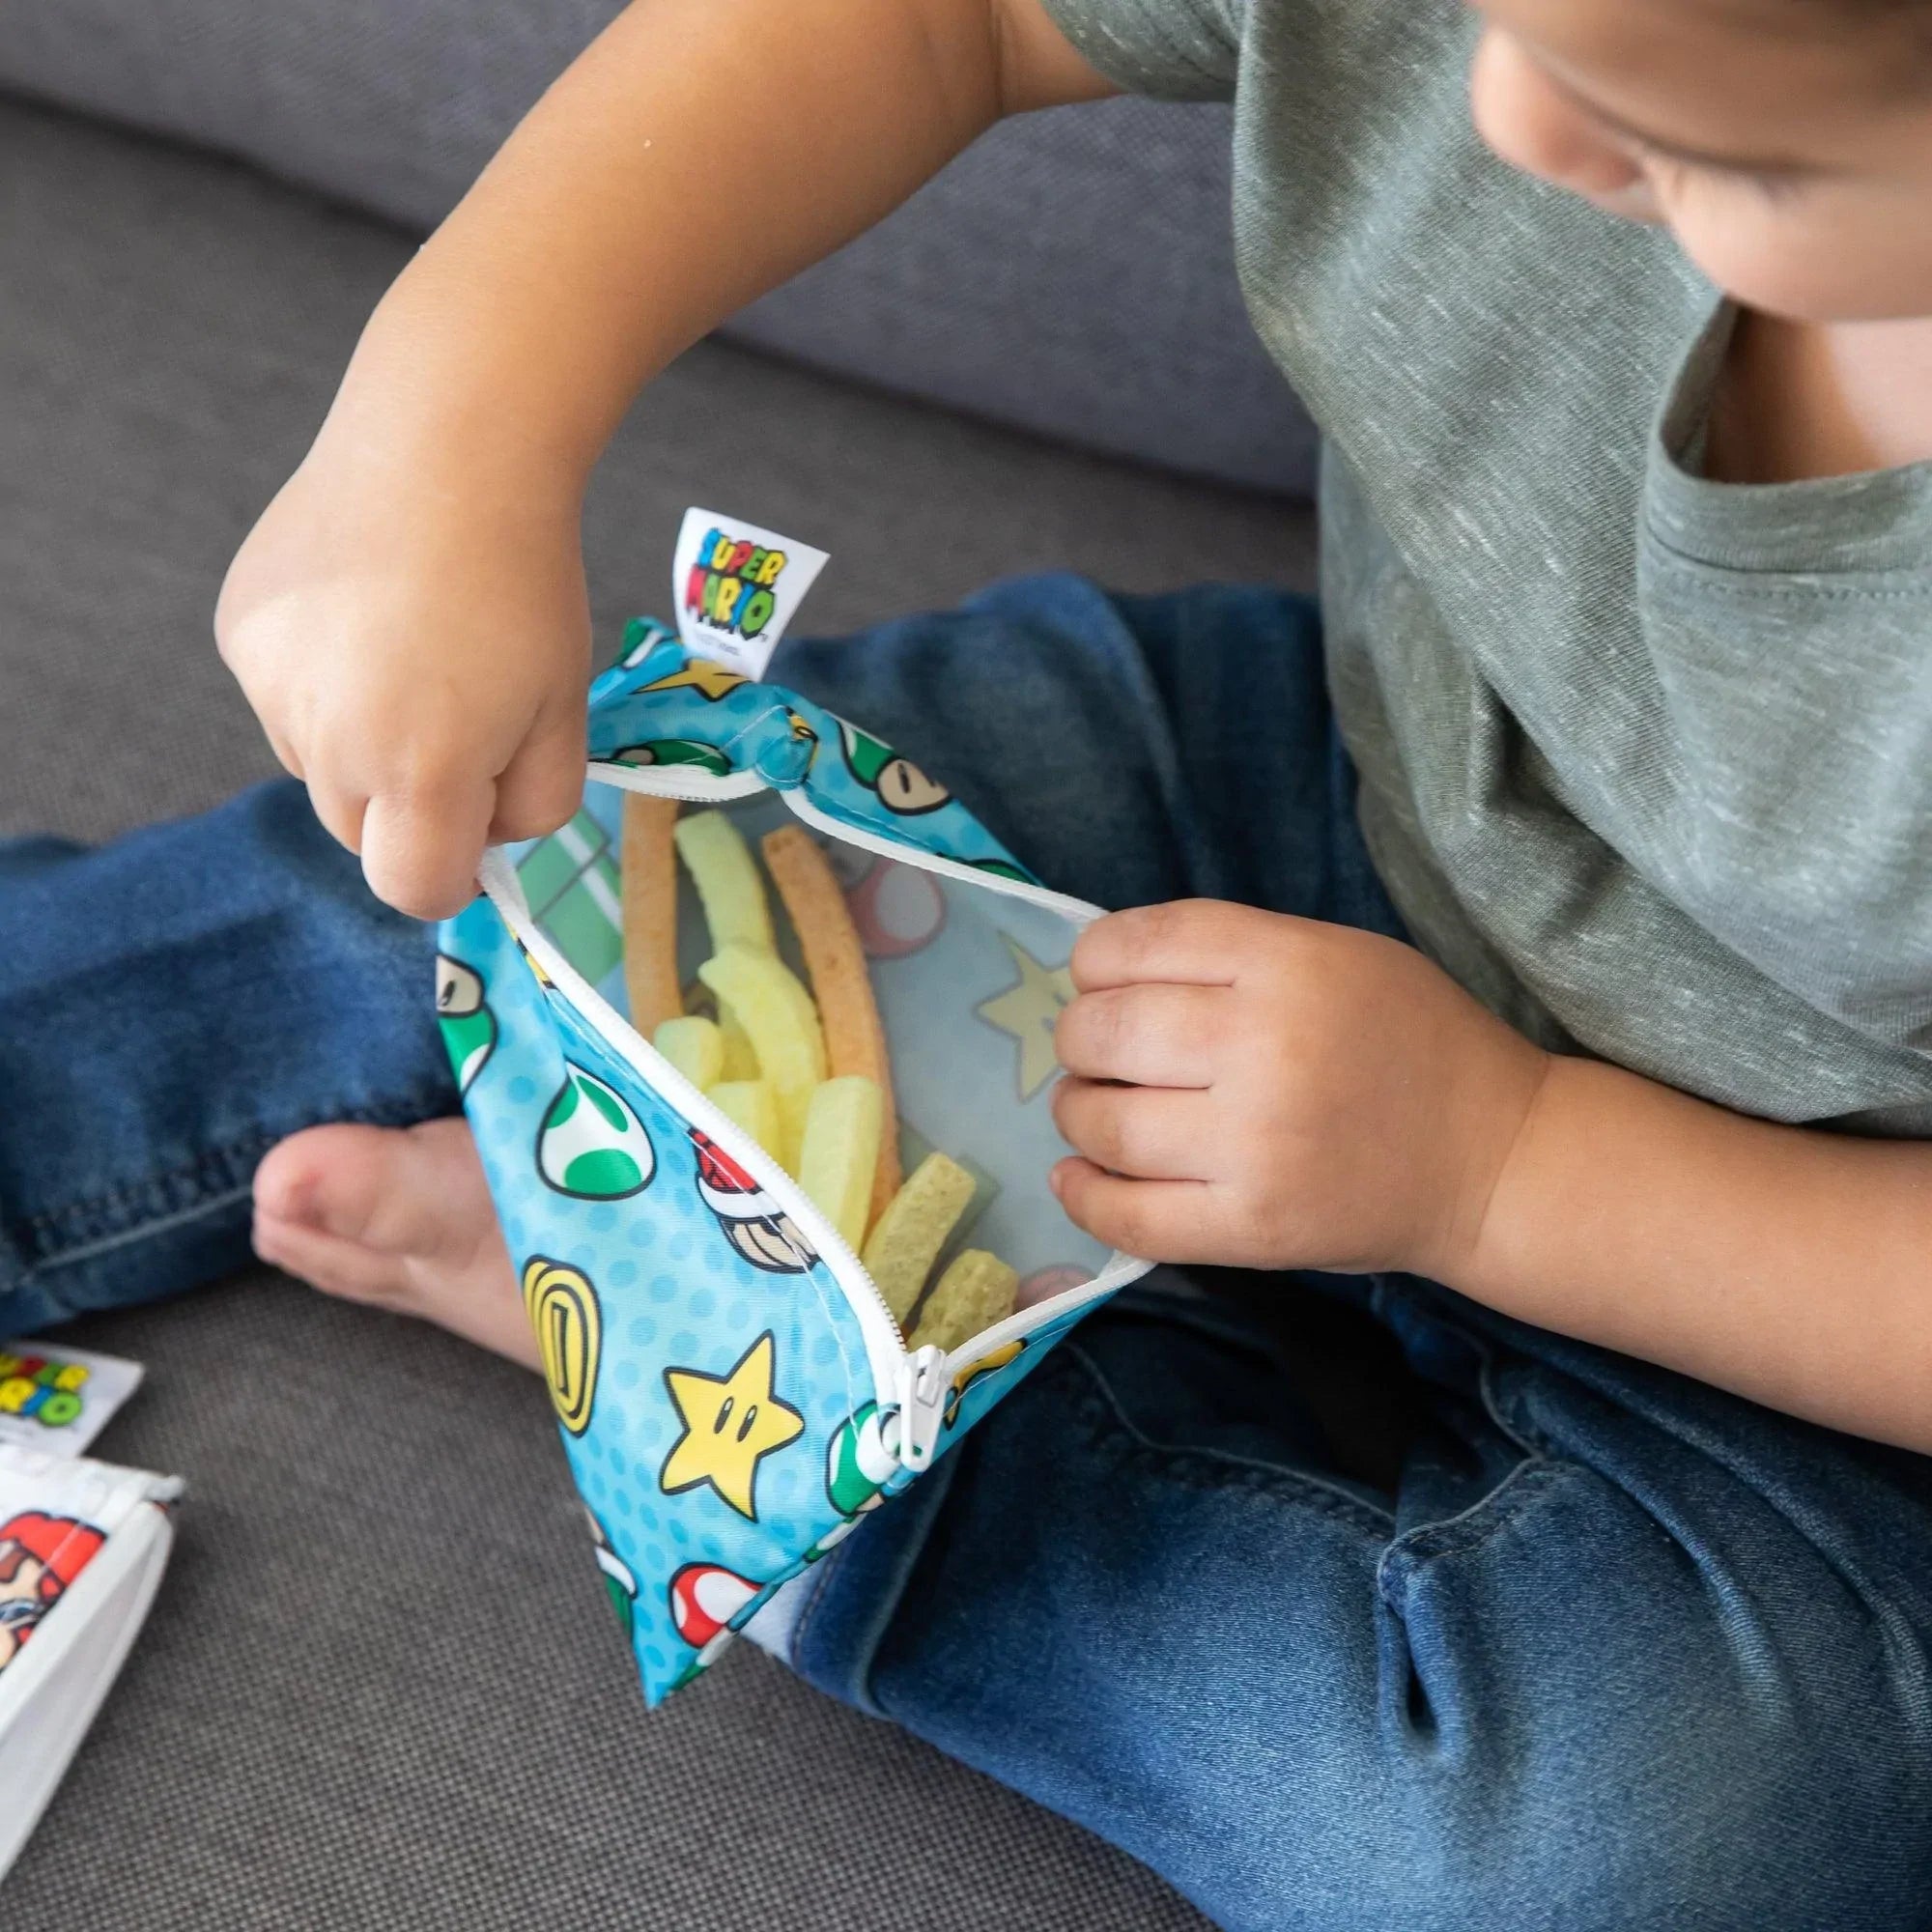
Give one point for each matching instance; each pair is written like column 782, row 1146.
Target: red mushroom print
column 755, row 1225
column 898, row 910
column 705, row 1598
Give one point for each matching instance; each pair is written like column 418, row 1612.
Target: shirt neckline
column 1875, row 519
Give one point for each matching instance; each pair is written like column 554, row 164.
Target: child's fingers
column 420, row 848
column 1154, row 1133
column 543, row 784
column 340, row 812
column 1194, row 942
column 1156, row 1220
column 285, row 751
column 1155, row 1035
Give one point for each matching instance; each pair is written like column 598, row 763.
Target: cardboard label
column 735, row 587
column 57, row 1399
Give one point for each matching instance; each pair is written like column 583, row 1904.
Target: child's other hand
column 1255, row 1091
column 416, row 638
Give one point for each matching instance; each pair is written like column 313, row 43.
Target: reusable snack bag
column 734, row 1392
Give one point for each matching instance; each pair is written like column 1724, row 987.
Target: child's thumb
column 420, row 847
column 543, row 783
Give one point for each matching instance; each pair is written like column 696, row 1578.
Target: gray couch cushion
column 1072, row 274
column 380, row 1687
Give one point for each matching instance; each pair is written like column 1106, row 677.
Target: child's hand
column 416, row 639
column 1263, row 1091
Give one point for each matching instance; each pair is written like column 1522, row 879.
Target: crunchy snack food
column 647, row 880
column 752, row 1105
column 696, row 1046
column 840, row 1154
column 976, row 1290
column 778, row 1014
column 854, row 1039
column 741, row 1056
column 727, row 877
column 906, row 1240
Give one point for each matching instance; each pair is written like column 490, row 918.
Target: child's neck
column 1821, row 399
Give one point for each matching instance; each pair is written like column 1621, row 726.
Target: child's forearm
column 699, row 153
column 1792, row 1266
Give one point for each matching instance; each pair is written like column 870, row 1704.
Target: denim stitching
column 1212, row 1469
column 1424, row 1543
column 384, row 1115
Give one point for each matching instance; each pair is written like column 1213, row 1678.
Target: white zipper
column 707, row 790
column 885, row 1342
column 918, row 1382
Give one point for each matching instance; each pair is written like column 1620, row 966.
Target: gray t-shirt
column 1646, row 760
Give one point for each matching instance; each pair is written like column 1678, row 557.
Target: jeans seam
column 223, row 1155
column 62, row 1307
column 1424, row 1543
column 1211, row 1468
column 144, row 1189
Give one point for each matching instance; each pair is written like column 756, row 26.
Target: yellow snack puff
column 694, row 1046
column 976, row 1290
column 778, row 1014
column 751, row 1105
column 727, row 876
column 741, row 1056
column 840, row 1151
column 906, row 1240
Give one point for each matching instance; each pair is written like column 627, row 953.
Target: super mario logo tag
column 731, row 585
column 42, row 1389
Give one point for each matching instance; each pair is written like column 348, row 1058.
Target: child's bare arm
column 408, row 617
column 1264, row 1092
column 1790, row 1264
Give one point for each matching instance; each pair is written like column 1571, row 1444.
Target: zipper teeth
column 642, row 778
column 1022, row 1321
column 703, row 790
column 1079, row 911
column 498, row 880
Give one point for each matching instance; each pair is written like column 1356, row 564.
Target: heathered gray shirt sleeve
column 1185, row 51
column 1646, row 760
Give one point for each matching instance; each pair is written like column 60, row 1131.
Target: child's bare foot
column 399, row 1218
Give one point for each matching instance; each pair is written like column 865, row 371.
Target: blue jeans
column 1572, row 1642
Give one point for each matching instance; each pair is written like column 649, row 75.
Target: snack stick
column 694, row 1046
column 906, row 1238
column 775, row 1011
column 647, row 880
column 841, row 1153
column 976, row 1290
column 750, row 1103
column 854, row 1039
column 741, row 1056
column 727, row 877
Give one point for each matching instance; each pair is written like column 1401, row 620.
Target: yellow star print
column 1027, row 1009
column 729, row 1424
column 702, row 675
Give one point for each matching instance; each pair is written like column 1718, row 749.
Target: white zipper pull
column 923, row 1389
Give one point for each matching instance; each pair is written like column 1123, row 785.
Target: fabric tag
column 736, row 586
column 59, row 1400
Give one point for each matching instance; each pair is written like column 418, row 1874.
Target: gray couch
column 380, row 1687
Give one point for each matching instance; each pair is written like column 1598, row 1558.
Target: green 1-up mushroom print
column 692, row 752
column 591, row 1144
column 901, row 786
column 468, row 1026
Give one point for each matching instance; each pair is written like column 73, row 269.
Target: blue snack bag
column 733, row 1391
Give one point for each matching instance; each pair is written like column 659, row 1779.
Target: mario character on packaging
column 39, row 1557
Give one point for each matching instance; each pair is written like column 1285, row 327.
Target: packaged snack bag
column 879, row 982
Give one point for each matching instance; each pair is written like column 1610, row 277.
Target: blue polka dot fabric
column 729, row 1389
